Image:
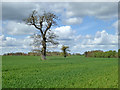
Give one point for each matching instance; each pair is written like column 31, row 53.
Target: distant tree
column 78, row 54
column 113, row 54
column 95, row 54
column 64, row 50
column 43, row 24
column 118, row 53
column 85, row 53
column 110, row 53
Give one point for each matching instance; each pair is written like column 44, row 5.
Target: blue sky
column 91, row 25
column 82, row 26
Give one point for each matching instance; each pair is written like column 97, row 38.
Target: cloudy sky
column 83, row 26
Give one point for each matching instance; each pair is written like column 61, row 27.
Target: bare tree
column 43, row 23
column 64, row 49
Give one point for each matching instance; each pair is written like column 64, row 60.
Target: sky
column 83, row 26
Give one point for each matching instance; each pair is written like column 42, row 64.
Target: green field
column 59, row 72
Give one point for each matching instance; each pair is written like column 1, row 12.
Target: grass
column 58, row 72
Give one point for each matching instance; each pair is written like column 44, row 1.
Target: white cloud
column 99, row 10
column 80, row 43
column 64, row 32
column 16, row 11
column 16, row 28
column 88, row 36
column 0, row 27
column 103, row 10
column 1, row 38
column 101, row 41
column 69, row 13
column 116, row 25
column 67, row 36
column 105, row 39
column 71, row 21
column 101, row 38
column 10, row 44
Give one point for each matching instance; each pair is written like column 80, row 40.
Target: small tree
column 64, row 49
column 43, row 24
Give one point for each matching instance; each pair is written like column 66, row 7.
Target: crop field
column 59, row 72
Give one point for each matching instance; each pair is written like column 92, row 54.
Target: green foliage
column 64, row 50
column 119, row 53
column 56, row 72
column 101, row 54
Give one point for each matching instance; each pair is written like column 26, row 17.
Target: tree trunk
column 43, row 55
column 64, row 54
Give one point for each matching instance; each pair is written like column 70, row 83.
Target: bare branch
column 48, row 27
column 43, row 23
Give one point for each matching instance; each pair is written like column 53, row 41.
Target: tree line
column 95, row 53
column 39, row 54
column 102, row 54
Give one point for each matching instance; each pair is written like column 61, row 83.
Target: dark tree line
column 101, row 54
column 34, row 53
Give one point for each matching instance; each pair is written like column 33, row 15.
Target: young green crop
column 59, row 72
